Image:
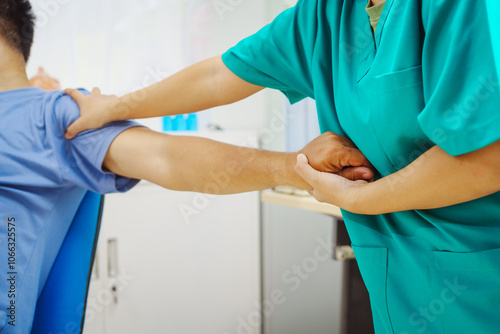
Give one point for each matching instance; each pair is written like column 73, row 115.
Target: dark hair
column 17, row 25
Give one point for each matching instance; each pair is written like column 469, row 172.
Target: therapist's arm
column 434, row 180
column 197, row 164
column 202, row 86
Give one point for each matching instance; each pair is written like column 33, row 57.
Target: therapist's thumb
column 309, row 174
column 74, row 129
column 357, row 173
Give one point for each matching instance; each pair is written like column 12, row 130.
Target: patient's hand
column 332, row 153
column 44, row 81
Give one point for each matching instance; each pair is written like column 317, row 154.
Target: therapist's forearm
column 434, row 180
column 202, row 86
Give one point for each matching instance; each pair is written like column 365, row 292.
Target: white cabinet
column 299, row 266
column 158, row 272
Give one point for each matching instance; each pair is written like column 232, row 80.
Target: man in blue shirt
column 43, row 177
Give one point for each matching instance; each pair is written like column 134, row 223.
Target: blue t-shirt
column 43, row 178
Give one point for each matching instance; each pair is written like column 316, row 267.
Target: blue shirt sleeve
column 81, row 159
column 461, row 70
column 280, row 55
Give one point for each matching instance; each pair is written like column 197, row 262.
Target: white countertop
column 300, row 202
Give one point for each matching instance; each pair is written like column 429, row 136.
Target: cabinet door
column 298, row 266
column 171, row 274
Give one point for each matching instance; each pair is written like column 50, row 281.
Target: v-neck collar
column 368, row 56
column 374, row 12
column 381, row 23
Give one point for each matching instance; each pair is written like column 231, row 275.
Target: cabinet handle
column 113, row 258
column 113, row 266
column 114, row 293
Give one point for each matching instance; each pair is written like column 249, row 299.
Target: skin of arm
column 434, row 180
column 197, row 164
column 202, row 86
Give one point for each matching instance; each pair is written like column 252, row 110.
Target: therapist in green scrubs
column 415, row 85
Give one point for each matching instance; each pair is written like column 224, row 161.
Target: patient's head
column 17, row 23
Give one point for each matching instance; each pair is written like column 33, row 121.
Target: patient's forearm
column 198, row 164
column 211, row 167
column 202, row 86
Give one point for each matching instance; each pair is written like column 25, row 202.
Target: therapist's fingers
column 309, row 174
column 75, row 94
column 357, row 173
column 75, row 128
column 96, row 90
column 354, row 157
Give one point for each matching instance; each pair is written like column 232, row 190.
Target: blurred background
column 124, row 45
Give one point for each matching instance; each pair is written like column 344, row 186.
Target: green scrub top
column 429, row 76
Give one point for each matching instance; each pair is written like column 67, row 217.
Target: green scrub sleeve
column 461, row 70
column 279, row 56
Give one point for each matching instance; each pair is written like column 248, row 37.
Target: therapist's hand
column 331, row 188
column 96, row 110
column 434, row 180
column 331, row 153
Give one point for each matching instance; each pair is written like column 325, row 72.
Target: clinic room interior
column 243, row 234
